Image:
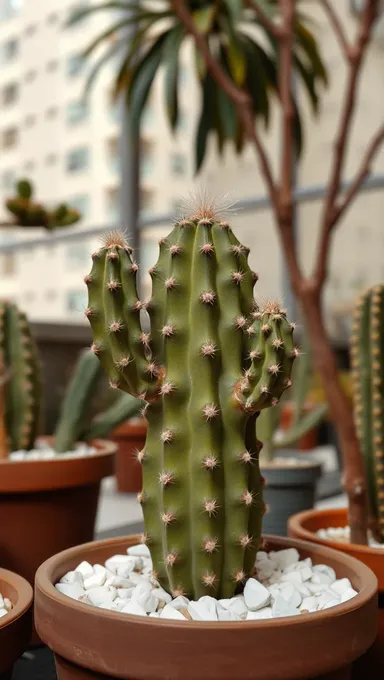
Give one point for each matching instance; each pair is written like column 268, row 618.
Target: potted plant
column 49, row 488
column 330, row 527
column 16, row 597
column 27, row 213
column 290, row 477
column 204, row 384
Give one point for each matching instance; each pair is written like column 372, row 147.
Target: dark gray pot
column 288, row 490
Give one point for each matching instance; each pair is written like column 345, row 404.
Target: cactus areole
column 212, row 361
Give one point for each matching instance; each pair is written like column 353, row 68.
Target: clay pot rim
column 24, row 600
column 296, row 524
column 304, row 465
column 130, row 429
column 104, row 446
column 44, row 583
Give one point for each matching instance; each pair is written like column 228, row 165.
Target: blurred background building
column 70, row 149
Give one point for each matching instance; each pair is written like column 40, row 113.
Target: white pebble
column 7, row 604
column 293, row 577
column 154, row 615
column 348, row 594
column 200, row 612
column 85, row 569
column 163, row 596
column 261, row 555
column 264, row 613
column 139, row 550
column 125, row 593
column 237, row 605
column 94, row 581
column 138, row 578
column 210, row 603
column 286, row 557
column 330, row 603
column 309, row 603
column 304, row 590
column 171, row 613
column 324, row 569
column 316, row 588
column 319, row 577
column 180, row 602
column 326, row 596
column 119, row 582
column 133, row 608
column 341, row 585
column 226, row 614
column 73, row 590
column 102, row 594
column 73, row 577
column 3, row 612
column 281, row 607
column 291, row 595
column 118, row 561
column 256, row 595
column 143, row 595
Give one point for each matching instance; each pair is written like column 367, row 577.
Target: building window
column 52, row 18
column 77, row 112
column 9, row 8
column 10, row 94
column 81, row 203
column 51, row 112
column 52, row 65
column 146, row 157
column 77, row 255
column 30, row 30
column 9, row 51
column 147, row 200
column 113, row 207
column 178, row 164
column 29, row 166
column 9, row 264
column 113, row 154
column 50, row 295
column 75, row 64
column 9, row 138
column 51, row 159
column 30, row 76
column 8, row 179
column 30, row 120
column 78, row 159
column 76, row 300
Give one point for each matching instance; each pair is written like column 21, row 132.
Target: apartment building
column 70, row 150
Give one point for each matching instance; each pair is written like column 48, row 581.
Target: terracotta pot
column 307, row 441
column 130, row 438
column 305, row 525
column 95, row 644
column 49, row 505
column 15, row 627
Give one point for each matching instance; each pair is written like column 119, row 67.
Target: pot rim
column 43, row 582
column 296, row 524
column 305, row 465
column 25, row 597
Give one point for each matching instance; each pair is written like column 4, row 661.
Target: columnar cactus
column 367, row 354
column 21, row 378
column 212, row 361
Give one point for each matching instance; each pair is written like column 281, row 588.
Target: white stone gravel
column 283, row 586
column 43, row 451
column 5, row 606
column 342, row 534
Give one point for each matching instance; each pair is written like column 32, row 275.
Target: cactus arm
column 256, row 483
column 23, row 389
column 156, row 305
column 88, row 372
column 301, row 383
column 102, row 425
column 306, row 424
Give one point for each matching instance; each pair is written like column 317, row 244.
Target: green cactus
column 303, row 422
column 22, row 383
column 27, row 213
column 213, row 360
column 123, row 408
column 367, row 357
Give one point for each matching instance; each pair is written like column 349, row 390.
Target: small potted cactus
column 212, row 361
column 16, row 597
column 290, row 477
column 49, row 487
column 27, row 213
column 329, row 527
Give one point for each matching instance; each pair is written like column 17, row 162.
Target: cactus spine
column 21, row 377
column 367, row 355
column 213, row 360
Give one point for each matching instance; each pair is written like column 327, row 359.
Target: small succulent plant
column 367, row 355
column 27, row 213
column 211, row 362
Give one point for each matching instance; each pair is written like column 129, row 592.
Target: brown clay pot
column 304, row 526
column 308, row 441
column 15, row 627
column 49, row 505
column 129, row 437
column 95, row 644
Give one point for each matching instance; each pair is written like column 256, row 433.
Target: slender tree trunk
column 341, row 414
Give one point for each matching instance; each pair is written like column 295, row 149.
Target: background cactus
column 269, row 421
column 27, row 213
column 213, row 360
column 21, row 378
column 367, row 356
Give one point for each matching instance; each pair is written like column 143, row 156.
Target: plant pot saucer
column 114, row 645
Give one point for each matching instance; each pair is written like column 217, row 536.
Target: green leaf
column 301, row 380
column 205, row 124
column 203, row 18
column 171, row 51
column 307, row 423
column 233, row 46
column 298, row 135
column 307, row 76
column 306, row 41
column 200, row 64
column 142, row 79
column 102, row 37
column 125, row 70
column 261, row 76
column 94, row 72
column 235, row 8
column 84, row 12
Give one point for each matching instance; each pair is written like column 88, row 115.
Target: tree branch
column 287, row 9
column 240, row 99
column 357, row 54
column 264, row 19
column 337, row 26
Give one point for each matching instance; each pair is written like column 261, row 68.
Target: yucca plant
column 247, row 51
